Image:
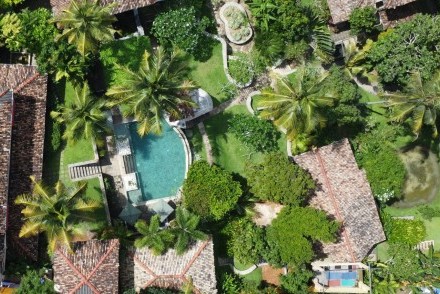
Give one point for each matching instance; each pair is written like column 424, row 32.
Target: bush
column 229, row 284
column 241, row 69
column 270, row 46
column 293, row 232
column 33, row 283
column 405, row 231
column 363, row 20
column 375, row 154
column 258, row 134
column 297, row 282
column 405, row 264
column 55, row 139
column 210, row 191
column 246, row 241
column 277, row 179
column 235, row 18
column 181, row 28
column 297, row 51
column 429, row 212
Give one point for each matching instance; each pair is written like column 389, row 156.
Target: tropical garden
column 383, row 95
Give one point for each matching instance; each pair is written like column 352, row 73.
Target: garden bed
column 237, row 27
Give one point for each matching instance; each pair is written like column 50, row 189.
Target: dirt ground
column 272, row 275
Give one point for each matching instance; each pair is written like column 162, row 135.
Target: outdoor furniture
column 161, row 208
column 130, row 214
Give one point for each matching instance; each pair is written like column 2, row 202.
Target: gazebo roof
column 344, row 193
column 161, row 208
column 130, row 214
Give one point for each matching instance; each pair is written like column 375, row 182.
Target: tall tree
column 87, row 24
column 295, row 104
column 158, row 86
column 59, row 212
column 184, row 227
column 418, row 105
column 158, row 240
column 84, row 118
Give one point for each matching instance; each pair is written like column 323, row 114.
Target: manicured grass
column 197, row 145
column 255, row 276
column 209, row 75
column 229, row 152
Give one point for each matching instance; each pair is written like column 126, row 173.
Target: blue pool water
column 160, row 162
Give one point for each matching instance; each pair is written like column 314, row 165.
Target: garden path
column 206, row 142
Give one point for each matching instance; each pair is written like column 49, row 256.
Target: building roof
column 5, row 146
column 23, row 93
column 120, row 5
column 143, row 269
column 340, row 10
column 92, row 267
column 344, row 193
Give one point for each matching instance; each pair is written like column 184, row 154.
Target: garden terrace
column 141, row 268
column 92, row 267
column 26, row 91
column 345, row 194
column 121, row 6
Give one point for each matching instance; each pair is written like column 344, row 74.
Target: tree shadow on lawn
column 217, row 129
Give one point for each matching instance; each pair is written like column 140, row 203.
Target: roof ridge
column 26, row 82
column 334, row 201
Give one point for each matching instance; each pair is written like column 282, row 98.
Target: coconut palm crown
column 86, row 24
column 418, row 105
column 295, row 104
column 158, row 86
column 84, row 118
column 152, row 236
column 58, row 212
column 185, row 228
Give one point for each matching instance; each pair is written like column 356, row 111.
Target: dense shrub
column 229, row 284
column 293, row 232
column 297, row 281
column 405, row 231
column 181, row 28
column 241, row 69
column 375, row 153
column 363, row 20
column 246, row 241
column 270, row 46
column 405, row 263
column 412, row 45
column 429, row 212
column 56, row 134
column 256, row 133
column 277, row 179
column 33, row 283
column 297, row 51
column 210, row 191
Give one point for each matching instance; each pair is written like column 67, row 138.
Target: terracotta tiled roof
column 143, row 269
column 29, row 90
column 92, row 268
column 5, row 145
column 344, row 193
column 120, row 5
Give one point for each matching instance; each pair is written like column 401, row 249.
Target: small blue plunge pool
column 160, row 162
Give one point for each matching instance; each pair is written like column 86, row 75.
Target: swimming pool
column 160, row 162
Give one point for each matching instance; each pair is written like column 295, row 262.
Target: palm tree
column 86, row 24
column 152, row 236
column 59, row 212
column 294, row 104
column 355, row 58
column 157, row 86
column 184, row 227
column 418, row 104
column 84, row 118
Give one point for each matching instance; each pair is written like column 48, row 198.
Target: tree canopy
column 293, row 232
column 209, row 191
column 363, row 20
column 33, row 283
column 277, row 179
column 412, row 45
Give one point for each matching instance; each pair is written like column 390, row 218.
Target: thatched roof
column 340, row 10
column 120, row 5
column 22, row 120
column 143, row 269
column 92, row 267
column 344, row 193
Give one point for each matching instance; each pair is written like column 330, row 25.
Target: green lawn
column 255, row 276
column 209, row 75
column 229, row 152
